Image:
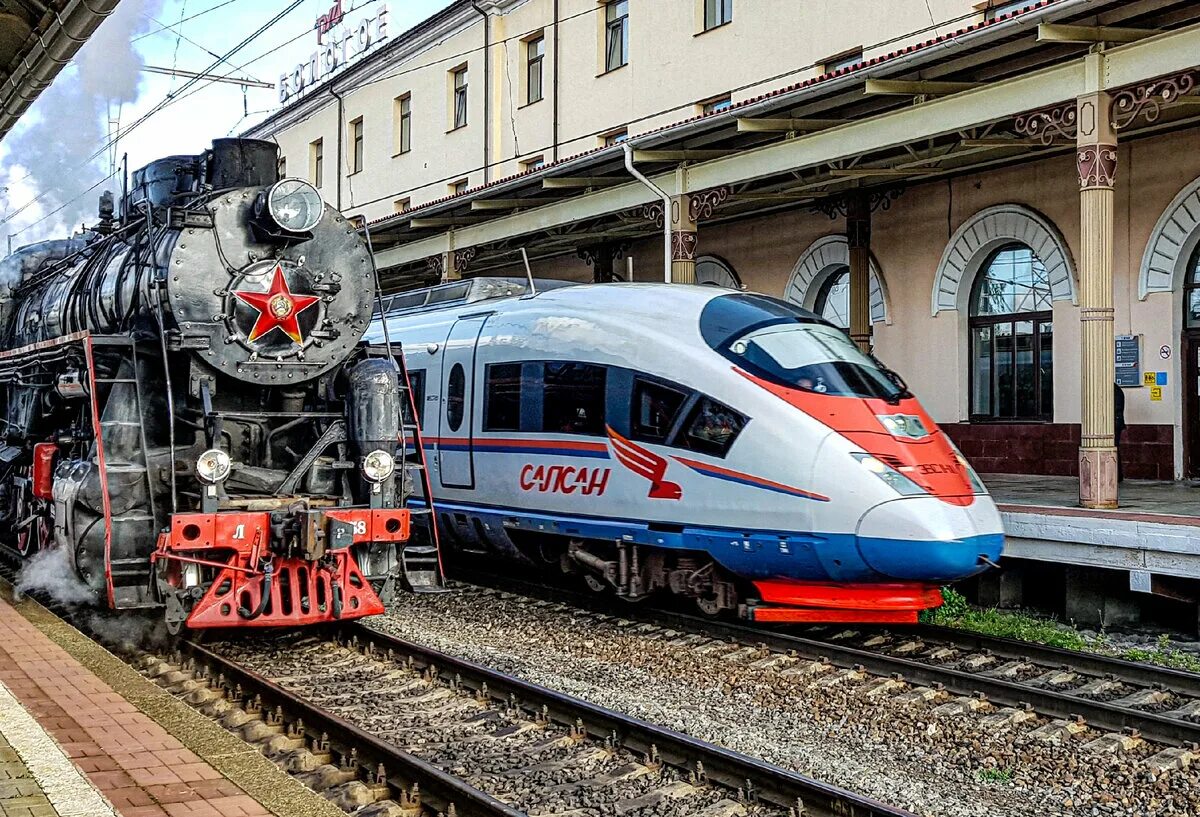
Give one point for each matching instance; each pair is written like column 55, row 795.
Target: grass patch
column 956, row 612
column 994, row 775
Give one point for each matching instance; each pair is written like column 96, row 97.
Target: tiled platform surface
column 20, row 794
column 1156, row 529
column 137, row 765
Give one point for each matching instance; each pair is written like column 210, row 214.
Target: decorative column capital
column 1097, row 166
column 1096, row 138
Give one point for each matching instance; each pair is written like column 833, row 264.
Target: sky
column 57, row 151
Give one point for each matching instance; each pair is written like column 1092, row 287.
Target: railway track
column 410, row 729
column 1132, row 701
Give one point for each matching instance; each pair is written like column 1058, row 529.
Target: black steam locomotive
column 188, row 412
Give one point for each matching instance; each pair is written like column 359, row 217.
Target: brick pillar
column 1097, row 161
column 858, row 234
column 683, row 240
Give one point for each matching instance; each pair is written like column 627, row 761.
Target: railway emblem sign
column 278, row 308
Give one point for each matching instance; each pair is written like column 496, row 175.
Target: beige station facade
column 989, row 195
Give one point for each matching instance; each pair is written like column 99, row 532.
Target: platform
column 80, row 741
column 1156, row 530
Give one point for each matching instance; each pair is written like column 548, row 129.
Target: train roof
column 458, row 293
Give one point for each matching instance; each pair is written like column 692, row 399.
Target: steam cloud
column 50, row 572
column 72, row 124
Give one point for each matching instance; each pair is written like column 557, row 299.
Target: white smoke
column 51, row 572
column 55, row 149
column 128, row 631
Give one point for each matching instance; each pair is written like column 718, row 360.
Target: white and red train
column 725, row 446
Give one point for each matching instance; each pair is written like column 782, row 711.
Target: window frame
column 716, row 104
column 1038, row 318
column 691, row 414
column 615, row 22
column 457, row 188
column 281, row 167
column 615, row 137
column 488, row 392
column 402, row 205
column 357, row 145
column 458, row 91
column 717, row 13
column 316, row 151
column 532, row 64
column 533, row 163
column 403, row 115
column 416, row 381
column 819, row 302
column 687, row 396
column 456, row 402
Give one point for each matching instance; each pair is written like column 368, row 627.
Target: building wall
column 674, row 67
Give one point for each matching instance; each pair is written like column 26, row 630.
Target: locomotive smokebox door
column 312, row 541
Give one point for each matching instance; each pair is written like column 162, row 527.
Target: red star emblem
column 277, row 308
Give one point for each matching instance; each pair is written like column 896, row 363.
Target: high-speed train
column 725, row 446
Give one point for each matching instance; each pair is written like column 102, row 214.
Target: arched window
column 1191, row 292
column 1012, row 331
column 717, row 272
column 833, row 298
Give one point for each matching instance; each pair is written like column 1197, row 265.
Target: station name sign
column 338, row 44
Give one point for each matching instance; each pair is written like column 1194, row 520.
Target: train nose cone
column 921, row 538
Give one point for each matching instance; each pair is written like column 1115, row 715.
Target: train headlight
column 900, row 483
column 903, row 425
column 295, row 205
column 378, row 465
column 213, row 466
column 976, row 483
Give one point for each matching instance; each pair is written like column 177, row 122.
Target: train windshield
column 791, row 346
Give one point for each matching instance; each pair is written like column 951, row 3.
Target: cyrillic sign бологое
column 335, row 48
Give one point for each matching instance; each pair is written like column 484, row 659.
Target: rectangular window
column 402, row 205
column 655, row 408
column 416, row 378
column 846, row 59
column 356, row 145
column 402, row 110
column 573, row 399
column 535, row 163
column 616, row 34
column 615, row 138
column 502, row 403
column 458, row 187
column 535, row 52
column 716, row 105
column 460, row 97
column 281, row 167
column 711, row 428
column 717, row 13
column 998, row 8
column 316, row 162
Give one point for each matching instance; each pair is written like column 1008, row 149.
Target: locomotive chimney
column 107, row 209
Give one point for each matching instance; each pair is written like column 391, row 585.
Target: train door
column 1190, row 390
column 456, row 466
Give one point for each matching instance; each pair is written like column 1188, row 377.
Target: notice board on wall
column 1129, row 361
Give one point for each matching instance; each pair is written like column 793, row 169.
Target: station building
column 1000, row 199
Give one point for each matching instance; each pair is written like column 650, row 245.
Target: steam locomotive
column 189, row 414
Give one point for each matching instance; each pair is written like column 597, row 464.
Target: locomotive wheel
column 34, row 538
column 710, row 607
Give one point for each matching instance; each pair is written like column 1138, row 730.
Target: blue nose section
column 926, row 539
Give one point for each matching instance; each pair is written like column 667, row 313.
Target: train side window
column 456, row 391
column 416, row 381
column 502, row 405
column 655, row 408
column 711, row 428
column 573, row 398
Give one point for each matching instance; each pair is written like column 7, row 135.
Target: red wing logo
column 277, row 308
column 646, row 464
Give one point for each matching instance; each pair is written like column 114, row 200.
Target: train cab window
column 502, row 406
column 573, row 398
column 456, row 403
column 711, row 428
column 416, row 381
column 655, row 408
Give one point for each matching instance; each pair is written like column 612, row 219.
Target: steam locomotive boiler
column 189, row 414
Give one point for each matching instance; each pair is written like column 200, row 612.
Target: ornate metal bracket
column 1060, row 122
column 683, row 245
column 839, row 206
column 705, row 203
column 654, row 212
column 1097, row 166
column 463, row 258
column 1147, row 100
column 434, row 264
column 590, row 255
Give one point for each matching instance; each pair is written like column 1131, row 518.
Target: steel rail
column 1055, row 703
column 439, row 790
column 758, row 779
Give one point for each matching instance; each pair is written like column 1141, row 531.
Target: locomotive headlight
column 378, row 465
column 902, row 484
column 213, row 466
column 976, row 483
column 295, row 205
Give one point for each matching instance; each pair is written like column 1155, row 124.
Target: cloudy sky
column 58, row 150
